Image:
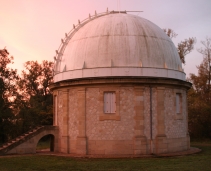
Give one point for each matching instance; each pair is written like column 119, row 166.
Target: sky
column 33, row 29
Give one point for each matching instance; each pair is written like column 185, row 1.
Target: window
column 178, row 103
column 109, row 102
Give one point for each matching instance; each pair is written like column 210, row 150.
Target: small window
column 109, row 102
column 178, row 103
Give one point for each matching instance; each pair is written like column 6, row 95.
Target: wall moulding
column 128, row 80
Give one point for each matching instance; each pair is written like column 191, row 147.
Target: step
column 36, row 129
column 19, row 138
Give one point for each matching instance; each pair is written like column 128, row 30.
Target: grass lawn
column 197, row 162
column 43, row 145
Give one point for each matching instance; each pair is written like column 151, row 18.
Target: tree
column 199, row 117
column 37, row 77
column 206, row 52
column 8, row 93
column 184, row 47
column 170, row 33
column 38, row 109
column 24, row 102
column 199, row 104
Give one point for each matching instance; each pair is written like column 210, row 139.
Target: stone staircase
column 21, row 139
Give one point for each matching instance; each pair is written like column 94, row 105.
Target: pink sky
column 32, row 29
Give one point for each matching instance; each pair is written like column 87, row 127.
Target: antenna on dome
column 134, row 11
column 118, row 5
column 124, row 11
column 138, row 12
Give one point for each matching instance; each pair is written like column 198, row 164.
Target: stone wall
column 175, row 124
column 109, row 129
column 60, row 118
column 73, row 110
column 107, row 136
column 27, row 143
column 128, row 130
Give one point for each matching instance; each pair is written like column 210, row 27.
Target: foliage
column 37, row 77
column 8, row 78
column 184, row 47
column 206, row 52
column 38, row 109
column 26, row 101
column 199, row 97
column 170, row 33
column 199, row 116
column 8, row 92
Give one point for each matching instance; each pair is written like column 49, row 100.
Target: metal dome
column 117, row 44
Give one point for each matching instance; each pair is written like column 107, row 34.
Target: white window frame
column 109, row 102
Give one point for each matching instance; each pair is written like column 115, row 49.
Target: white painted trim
column 120, row 72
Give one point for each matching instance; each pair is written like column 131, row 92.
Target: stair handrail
column 14, row 139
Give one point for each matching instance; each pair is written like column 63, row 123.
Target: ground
column 196, row 162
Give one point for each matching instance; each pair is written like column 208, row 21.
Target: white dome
column 117, row 44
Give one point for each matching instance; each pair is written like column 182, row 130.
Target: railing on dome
column 59, row 52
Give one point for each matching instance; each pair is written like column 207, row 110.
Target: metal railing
column 20, row 136
column 68, row 36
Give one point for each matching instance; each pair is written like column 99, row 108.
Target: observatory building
column 119, row 89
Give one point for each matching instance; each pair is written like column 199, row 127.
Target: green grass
column 194, row 162
column 43, row 145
